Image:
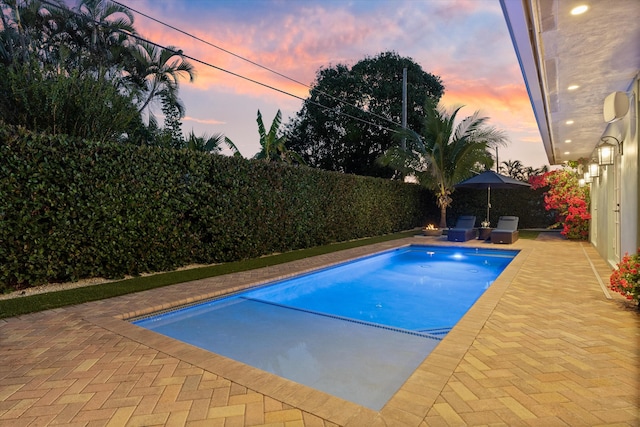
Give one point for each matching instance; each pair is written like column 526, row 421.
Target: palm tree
column 274, row 146
column 26, row 30
column 530, row 171
column 99, row 32
column 210, row 144
column 93, row 41
column 445, row 153
column 514, row 169
column 105, row 20
column 157, row 72
column 93, row 37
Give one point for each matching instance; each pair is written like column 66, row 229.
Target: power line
column 191, row 58
column 182, row 54
column 209, row 43
column 252, row 62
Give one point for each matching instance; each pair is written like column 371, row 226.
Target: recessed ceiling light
column 579, row 10
column 567, row 152
column 569, row 122
column 567, row 141
column 573, row 87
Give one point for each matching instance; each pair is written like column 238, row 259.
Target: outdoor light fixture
column 606, row 150
column 587, row 178
column 594, row 170
column 579, row 10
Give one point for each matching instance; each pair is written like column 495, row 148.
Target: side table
column 484, row 233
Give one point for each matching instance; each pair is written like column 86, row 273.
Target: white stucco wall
column 613, row 239
column 630, row 187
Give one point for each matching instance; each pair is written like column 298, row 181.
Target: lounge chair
column 506, row 231
column 464, row 229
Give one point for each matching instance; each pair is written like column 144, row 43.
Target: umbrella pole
column 488, row 201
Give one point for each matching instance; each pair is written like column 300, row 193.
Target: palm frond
column 232, row 146
column 261, row 129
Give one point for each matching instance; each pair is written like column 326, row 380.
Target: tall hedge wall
column 71, row 209
column 525, row 203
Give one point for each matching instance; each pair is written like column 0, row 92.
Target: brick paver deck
column 543, row 346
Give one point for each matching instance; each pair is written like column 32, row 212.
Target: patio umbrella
column 489, row 180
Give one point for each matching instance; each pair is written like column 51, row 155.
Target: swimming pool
column 356, row 330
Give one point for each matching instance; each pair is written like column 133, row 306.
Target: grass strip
column 45, row 301
column 528, row 234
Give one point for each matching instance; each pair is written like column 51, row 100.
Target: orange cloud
column 495, row 101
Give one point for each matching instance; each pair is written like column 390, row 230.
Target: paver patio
column 543, row 346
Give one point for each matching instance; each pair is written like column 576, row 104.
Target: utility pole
column 497, row 163
column 404, row 106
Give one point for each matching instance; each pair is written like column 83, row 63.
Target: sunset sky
column 465, row 42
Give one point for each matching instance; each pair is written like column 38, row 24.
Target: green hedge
column 525, row 203
column 71, row 209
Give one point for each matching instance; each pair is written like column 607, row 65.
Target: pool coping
column 408, row 406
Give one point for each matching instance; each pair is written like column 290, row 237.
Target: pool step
column 436, row 331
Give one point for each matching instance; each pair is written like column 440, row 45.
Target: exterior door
column 616, row 210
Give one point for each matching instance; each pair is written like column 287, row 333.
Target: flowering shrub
column 626, row 279
column 576, row 221
column 568, row 199
column 538, row 181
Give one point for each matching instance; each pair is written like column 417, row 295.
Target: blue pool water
column 357, row 330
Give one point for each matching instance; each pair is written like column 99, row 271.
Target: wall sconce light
column 594, row 170
column 581, row 182
column 606, row 150
column 587, row 178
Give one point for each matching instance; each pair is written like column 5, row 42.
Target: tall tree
column 445, row 153
column 351, row 113
column 171, row 134
column 47, row 44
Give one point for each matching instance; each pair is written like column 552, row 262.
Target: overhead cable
column 252, row 62
column 182, row 54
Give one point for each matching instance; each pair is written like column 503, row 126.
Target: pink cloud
column 304, row 42
column 203, row 121
column 465, row 42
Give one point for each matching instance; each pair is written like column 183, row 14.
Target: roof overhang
column 597, row 51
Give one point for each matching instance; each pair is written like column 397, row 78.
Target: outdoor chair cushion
column 506, row 231
column 464, row 229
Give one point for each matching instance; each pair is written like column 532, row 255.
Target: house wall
column 615, row 230
column 630, row 240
